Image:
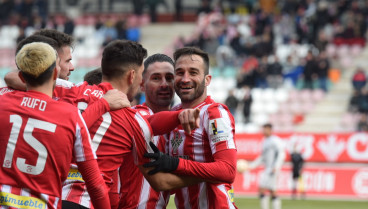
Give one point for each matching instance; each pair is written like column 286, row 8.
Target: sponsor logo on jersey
column 176, row 141
column 74, row 175
column 230, row 193
column 12, row 200
column 218, row 131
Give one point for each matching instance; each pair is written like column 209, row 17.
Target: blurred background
column 298, row 64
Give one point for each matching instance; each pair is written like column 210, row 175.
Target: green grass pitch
column 253, row 203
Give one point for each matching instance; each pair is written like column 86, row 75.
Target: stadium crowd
column 298, row 43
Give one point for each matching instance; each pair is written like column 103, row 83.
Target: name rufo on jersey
column 33, row 103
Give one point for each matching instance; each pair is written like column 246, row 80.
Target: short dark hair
column 196, row 51
column 37, row 38
column 157, row 58
column 93, row 77
column 41, row 79
column 267, row 125
column 61, row 38
column 120, row 55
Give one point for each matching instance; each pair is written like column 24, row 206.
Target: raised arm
column 166, row 121
column 12, row 80
column 112, row 100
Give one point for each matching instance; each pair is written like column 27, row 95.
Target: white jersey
column 273, row 154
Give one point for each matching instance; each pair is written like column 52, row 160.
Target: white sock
column 264, row 202
column 276, row 203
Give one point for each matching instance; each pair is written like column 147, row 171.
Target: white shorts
column 268, row 181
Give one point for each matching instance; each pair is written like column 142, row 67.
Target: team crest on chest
column 176, row 141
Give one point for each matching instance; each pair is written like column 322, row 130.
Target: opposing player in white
column 272, row 158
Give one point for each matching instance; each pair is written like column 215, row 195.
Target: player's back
column 37, row 140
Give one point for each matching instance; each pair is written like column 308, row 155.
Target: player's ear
column 131, row 76
column 207, row 79
column 21, row 77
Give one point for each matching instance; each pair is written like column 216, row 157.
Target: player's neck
column 117, row 84
column 45, row 88
column 156, row 108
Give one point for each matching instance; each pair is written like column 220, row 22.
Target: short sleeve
column 220, row 128
column 82, row 145
column 141, row 140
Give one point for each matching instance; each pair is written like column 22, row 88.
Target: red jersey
column 39, row 137
column 215, row 134
column 135, row 191
column 115, row 136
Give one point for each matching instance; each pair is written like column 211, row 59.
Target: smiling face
column 65, row 62
column 190, row 81
column 158, row 85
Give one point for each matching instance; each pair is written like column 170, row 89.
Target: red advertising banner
column 318, row 181
column 351, row 147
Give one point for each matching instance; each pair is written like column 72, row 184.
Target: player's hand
column 163, row 162
column 116, row 99
column 189, row 119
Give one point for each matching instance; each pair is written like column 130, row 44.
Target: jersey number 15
column 31, row 141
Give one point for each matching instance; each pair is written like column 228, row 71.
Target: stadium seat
column 281, row 95
column 271, row 107
column 318, row 95
column 260, row 119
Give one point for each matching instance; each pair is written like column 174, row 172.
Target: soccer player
column 272, row 158
column 112, row 100
column 93, row 77
column 40, row 136
column 158, row 85
column 120, row 133
column 297, row 162
column 208, row 152
column 63, row 46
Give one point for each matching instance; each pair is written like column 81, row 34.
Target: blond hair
column 35, row 58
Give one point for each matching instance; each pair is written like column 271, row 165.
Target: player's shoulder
column 5, row 90
column 143, row 110
column 216, row 110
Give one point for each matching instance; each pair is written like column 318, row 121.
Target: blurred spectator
column 359, row 79
column 354, row 102
column 225, row 56
column 178, row 10
column 121, row 29
column 264, row 46
column 323, row 66
column 297, row 165
column 363, row 101
column 309, row 72
column 6, row 8
column 363, row 123
column 69, row 26
column 152, row 5
column 133, row 31
column 205, row 7
column 231, row 102
column 247, row 103
column 21, row 35
column 261, row 73
column 138, row 6
column 274, row 74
